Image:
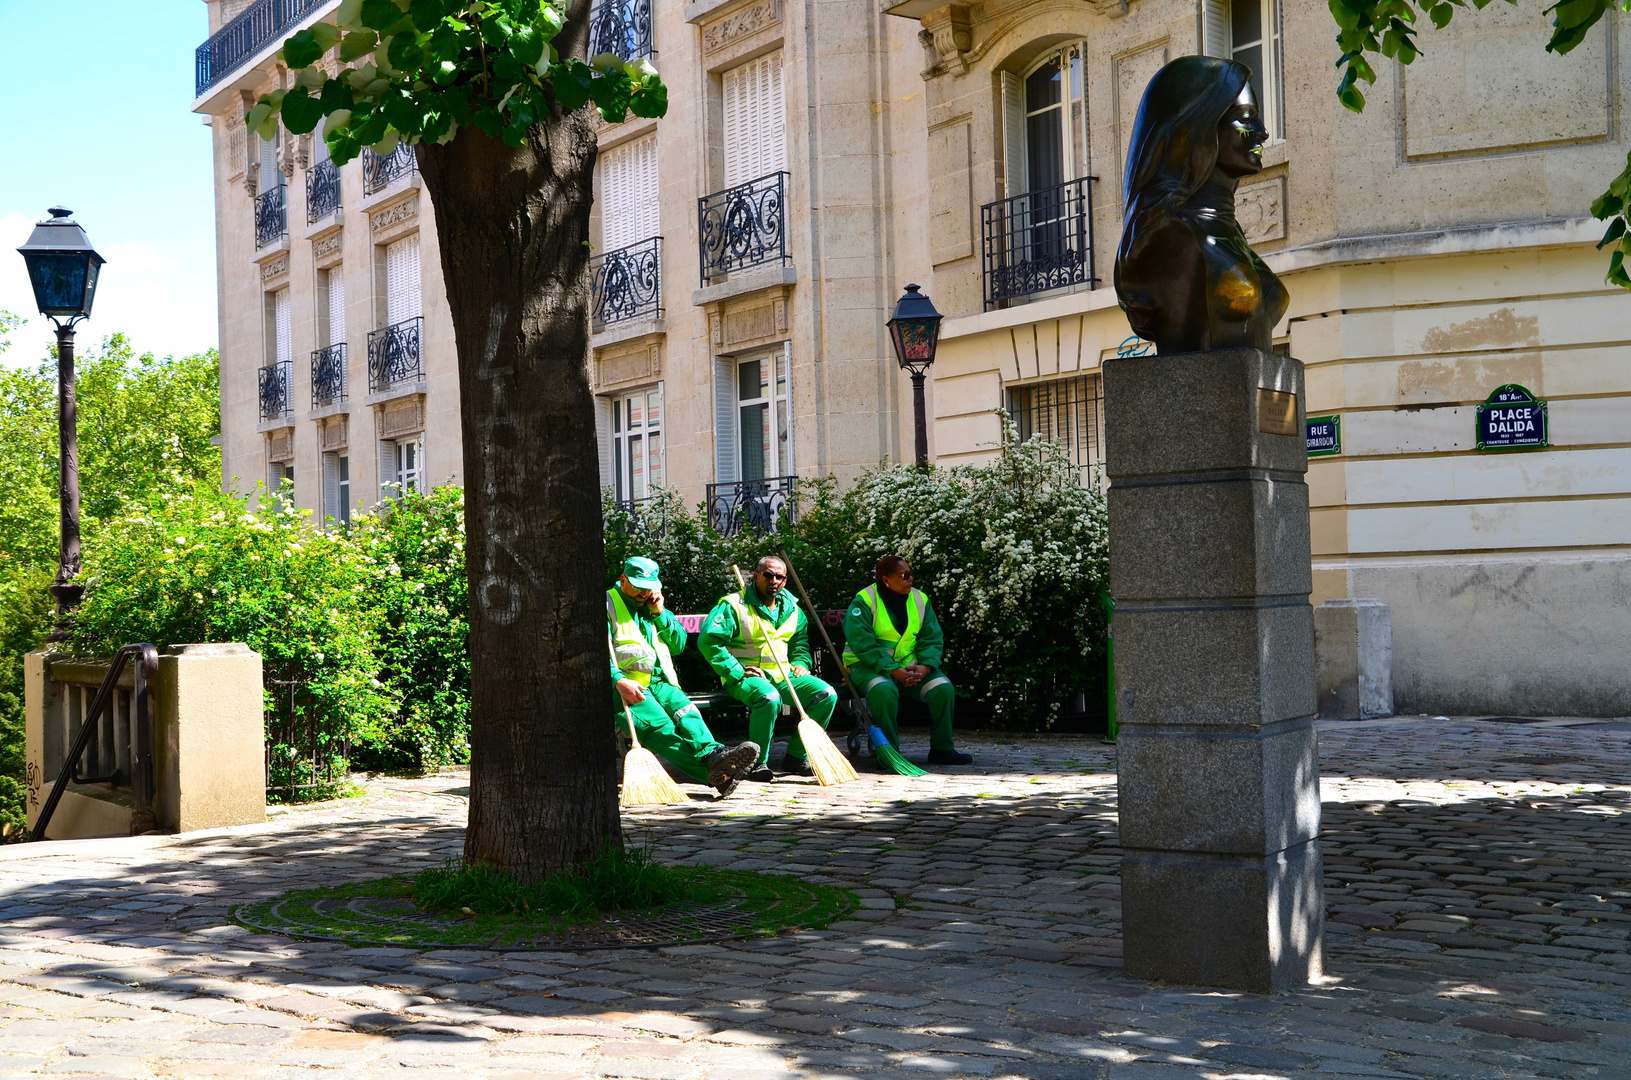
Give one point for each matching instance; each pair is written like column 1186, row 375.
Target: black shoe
column 759, row 774
column 727, row 765
column 797, row 766
column 950, row 757
column 726, row 788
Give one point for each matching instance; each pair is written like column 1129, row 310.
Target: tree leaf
column 301, row 111
column 357, row 45
column 1616, row 229
column 302, row 50
column 381, row 15
column 571, row 84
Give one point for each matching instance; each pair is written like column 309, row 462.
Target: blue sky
column 94, row 98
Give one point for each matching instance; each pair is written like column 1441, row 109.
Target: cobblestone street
column 1478, row 883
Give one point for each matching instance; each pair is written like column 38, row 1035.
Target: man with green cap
column 751, row 638
column 644, row 636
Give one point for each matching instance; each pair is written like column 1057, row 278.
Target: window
column 1249, row 31
column 282, row 339
column 755, row 120
column 402, row 462
column 1045, row 123
column 270, row 174
column 337, row 488
column 763, row 425
column 637, row 444
column 402, row 280
column 334, row 289
column 279, row 472
column 628, row 194
column 1066, row 411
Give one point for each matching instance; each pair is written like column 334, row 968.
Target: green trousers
column 764, row 698
column 883, row 699
column 672, row 728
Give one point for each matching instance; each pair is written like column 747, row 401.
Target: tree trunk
column 513, row 225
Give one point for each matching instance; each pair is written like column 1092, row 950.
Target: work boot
column 797, row 766
column 950, row 757
column 727, row 765
column 760, row 774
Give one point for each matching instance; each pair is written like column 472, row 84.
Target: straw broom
column 645, row 783
column 830, row 766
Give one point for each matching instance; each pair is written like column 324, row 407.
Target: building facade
column 816, row 157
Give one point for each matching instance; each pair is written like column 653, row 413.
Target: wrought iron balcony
column 393, row 355
column 627, row 284
column 277, row 400
column 378, row 172
column 271, row 216
column 256, row 27
column 760, row 505
column 1038, row 241
column 621, row 27
column 328, row 376
column 322, row 191
column 743, row 226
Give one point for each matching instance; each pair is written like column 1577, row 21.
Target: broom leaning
column 830, row 767
column 645, row 783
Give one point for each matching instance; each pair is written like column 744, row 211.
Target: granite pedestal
column 1217, row 756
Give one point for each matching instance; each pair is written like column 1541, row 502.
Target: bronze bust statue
column 1185, row 275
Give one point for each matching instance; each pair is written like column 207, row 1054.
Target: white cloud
column 163, row 303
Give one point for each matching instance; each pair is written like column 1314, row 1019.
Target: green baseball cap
column 642, row 573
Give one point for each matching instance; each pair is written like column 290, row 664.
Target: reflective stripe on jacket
column 884, row 629
column 636, row 657
column 758, row 643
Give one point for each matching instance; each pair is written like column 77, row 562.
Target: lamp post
column 63, row 268
column 915, row 330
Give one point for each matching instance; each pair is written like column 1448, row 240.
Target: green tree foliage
column 422, row 69
column 1388, row 28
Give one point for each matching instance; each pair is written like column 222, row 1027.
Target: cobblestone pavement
column 1479, row 885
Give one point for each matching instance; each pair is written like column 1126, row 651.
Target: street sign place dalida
column 1510, row 419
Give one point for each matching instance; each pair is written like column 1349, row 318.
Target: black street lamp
column 63, row 268
column 915, row 329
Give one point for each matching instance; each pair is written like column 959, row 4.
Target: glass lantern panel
column 59, row 282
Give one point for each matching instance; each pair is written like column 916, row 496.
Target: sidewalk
column 1478, row 885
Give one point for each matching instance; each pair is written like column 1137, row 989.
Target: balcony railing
column 328, row 376
column 275, row 385
column 378, row 171
column 627, row 284
column 262, row 23
column 759, row 505
column 322, row 191
column 622, row 28
column 271, row 216
column 1038, row 241
column 393, row 355
column 743, row 226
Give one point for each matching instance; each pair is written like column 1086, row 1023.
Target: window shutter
column 1215, row 28
column 645, row 194
column 336, row 306
column 786, row 407
column 603, row 441
column 755, row 120
column 331, row 486
column 1013, row 134
column 269, row 174
column 387, row 469
column 282, row 344
column 402, row 280
column 628, row 188
column 724, row 420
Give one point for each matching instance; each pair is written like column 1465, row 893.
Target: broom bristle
column 645, row 783
column 830, row 767
column 891, row 759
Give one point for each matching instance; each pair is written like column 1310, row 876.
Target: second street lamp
column 915, row 330
column 63, row 268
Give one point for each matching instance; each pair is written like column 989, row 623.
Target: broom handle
column 786, row 678
column 626, row 714
column 832, row 650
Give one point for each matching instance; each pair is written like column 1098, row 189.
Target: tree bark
column 513, row 227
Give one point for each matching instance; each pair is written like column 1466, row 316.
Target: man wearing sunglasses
column 752, row 637
column 893, row 645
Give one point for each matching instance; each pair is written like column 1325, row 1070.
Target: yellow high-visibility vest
column 757, row 643
column 636, row 657
column 883, row 628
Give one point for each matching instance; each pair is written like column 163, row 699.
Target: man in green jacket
column 893, row 645
column 750, row 641
column 644, row 636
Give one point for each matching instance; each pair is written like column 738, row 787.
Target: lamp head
column 915, row 330
column 62, row 267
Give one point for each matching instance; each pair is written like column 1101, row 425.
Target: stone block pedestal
column 1218, row 761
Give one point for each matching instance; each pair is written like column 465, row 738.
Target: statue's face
column 1241, row 135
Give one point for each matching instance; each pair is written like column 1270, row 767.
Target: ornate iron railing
column 760, row 505
column 627, row 284
column 256, row 27
column 275, row 396
column 378, row 172
column 322, row 191
column 328, row 375
column 271, row 216
column 743, row 226
column 393, row 355
column 1038, row 241
column 621, row 27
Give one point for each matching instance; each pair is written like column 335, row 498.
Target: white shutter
column 724, row 420
column 387, row 470
column 755, row 120
column 331, row 486
column 1215, row 28
column 628, row 189
column 336, row 306
column 1013, row 134
column 603, row 441
column 282, row 343
column 269, row 173
column 787, row 407
column 402, row 280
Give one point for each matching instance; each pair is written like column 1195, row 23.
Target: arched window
column 1045, row 123
column 1249, row 31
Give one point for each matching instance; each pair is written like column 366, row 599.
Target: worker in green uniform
column 893, row 645
column 750, row 641
column 645, row 635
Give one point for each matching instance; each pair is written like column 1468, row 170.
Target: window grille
column 1068, row 412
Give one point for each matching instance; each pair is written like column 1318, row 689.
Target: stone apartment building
column 816, row 157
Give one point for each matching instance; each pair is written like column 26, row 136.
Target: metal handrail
column 626, row 284
column 271, row 215
column 394, row 354
column 328, row 375
column 622, row 28
column 141, row 765
column 742, row 226
column 760, row 505
column 1038, row 241
column 276, row 398
column 254, row 28
column 378, row 170
column 322, row 191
